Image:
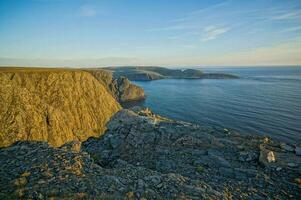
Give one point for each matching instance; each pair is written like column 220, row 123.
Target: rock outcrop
column 52, row 105
column 121, row 88
column 125, row 91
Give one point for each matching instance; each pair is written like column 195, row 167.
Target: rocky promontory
column 121, row 88
column 156, row 73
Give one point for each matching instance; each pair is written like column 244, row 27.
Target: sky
column 95, row 33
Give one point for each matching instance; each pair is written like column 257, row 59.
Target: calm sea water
column 264, row 101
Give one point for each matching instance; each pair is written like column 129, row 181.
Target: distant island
column 155, row 73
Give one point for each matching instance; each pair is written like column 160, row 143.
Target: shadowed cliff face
column 56, row 106
column 121, row 88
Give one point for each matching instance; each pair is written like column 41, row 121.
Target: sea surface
column 265, row 101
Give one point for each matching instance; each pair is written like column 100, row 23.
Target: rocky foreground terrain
column 145, row 156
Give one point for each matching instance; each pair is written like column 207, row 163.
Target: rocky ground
column 145, row 156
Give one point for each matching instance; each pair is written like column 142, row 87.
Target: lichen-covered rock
column 52, row 105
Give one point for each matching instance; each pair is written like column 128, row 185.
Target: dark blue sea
column 265, row 101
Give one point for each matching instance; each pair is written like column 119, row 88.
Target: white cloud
column 212, row 32
column 87, row 11
column 288, row 16
column 292, row 29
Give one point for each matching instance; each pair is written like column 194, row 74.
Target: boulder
column 286, row 147
column 298, row 151
column 266, row 156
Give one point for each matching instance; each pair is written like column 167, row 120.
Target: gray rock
column 292, row 165
column 245, row 156
column 286, row 147
column 247, row 172
column 115, row 142
column 278, row 169
column 155, row 180
column 298, row 151
column 227, row 172
column 140, row 184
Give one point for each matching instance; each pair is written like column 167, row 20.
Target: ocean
column 264, row 100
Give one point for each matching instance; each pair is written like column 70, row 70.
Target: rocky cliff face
column 52, row 105
column 121, row 88
column 125, row 91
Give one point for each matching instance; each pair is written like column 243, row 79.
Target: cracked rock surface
column 144, row 156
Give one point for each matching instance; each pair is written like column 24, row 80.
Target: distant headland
column 140, row 73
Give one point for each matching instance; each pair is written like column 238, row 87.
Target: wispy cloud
column 292, row 29
column 170, row 28
column 212, row 7
column 288, row 16
column 212, row 32
column 87, row 11
column 195, row 13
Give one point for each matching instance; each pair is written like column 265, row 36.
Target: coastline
column 139, row 154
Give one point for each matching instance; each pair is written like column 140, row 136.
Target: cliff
column 121, row 88
column 52, row 105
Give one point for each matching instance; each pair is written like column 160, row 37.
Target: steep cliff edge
column 121, row 88
column 53, row 105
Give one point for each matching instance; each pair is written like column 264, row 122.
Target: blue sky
column 161, row 32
